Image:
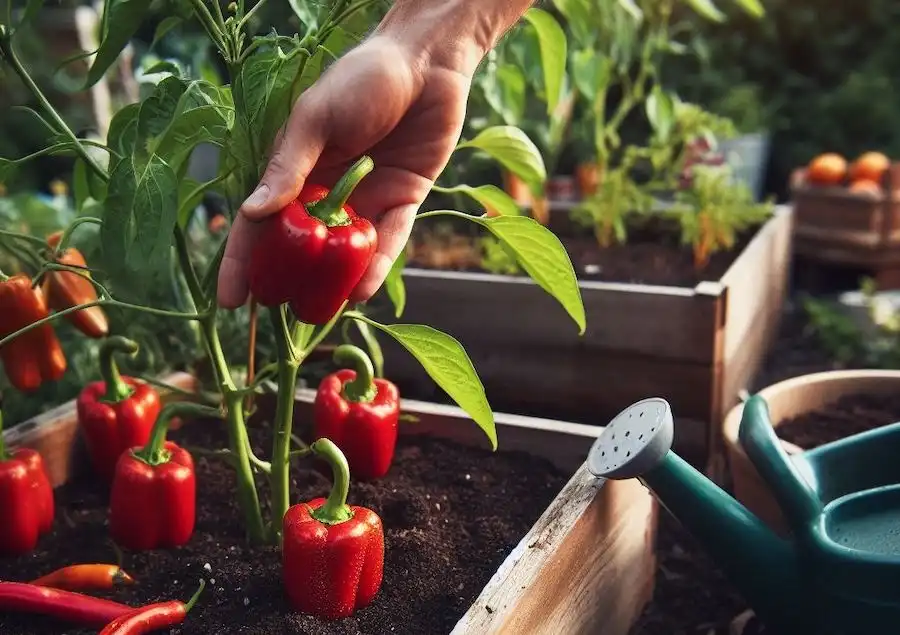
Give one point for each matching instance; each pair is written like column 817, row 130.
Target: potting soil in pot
column 451, row 515
column 845, row 417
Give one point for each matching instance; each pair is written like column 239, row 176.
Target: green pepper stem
column 116, row 388
column 4, row 455
column 154, row 453
column 335, row 509
column 190, row 603
column 363, row 388
column 330, row 210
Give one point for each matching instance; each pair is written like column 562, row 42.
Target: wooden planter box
column 835, row 226
column 786, row 400
column 696, row 347
column 586, row 566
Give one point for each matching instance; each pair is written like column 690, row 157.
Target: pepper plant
column 134, row 188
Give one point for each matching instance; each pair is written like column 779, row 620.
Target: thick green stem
column 335, row 510
column 116, row 388
column 155, row 453
column 288, row 367
column 361, row 389
column 330, row 210
column 187, row 267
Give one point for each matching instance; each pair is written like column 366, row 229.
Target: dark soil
column 845, row 417
column 653, row 255
column 451, row 516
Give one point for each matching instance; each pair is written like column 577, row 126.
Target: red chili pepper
column 333, row 553
column 26, row 499
column 153, row 617
column 80, row 577
column 359, row 414
column 67, row 606
column 65, row 289
column 117, row 413
column 154, row 491
column 314, row 251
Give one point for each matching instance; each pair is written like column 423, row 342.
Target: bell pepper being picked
column 35, row 356
column 154, row 491
column 314, row 251
column 333, row 553
column 26, row 499
column 359, row 413
column 65, row 289
column 117, row 413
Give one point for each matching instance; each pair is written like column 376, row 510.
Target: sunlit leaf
column 515, row 151
column 552, row 42
column 707, row 9
column 123, row 18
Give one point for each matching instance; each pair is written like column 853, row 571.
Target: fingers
column 393, row 232
column 296, row 152
column 234, row 282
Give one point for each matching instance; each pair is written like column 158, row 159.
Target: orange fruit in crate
column 827, row 169
column 866, row 186
column 870, row 166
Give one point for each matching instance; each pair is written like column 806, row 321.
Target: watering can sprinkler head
column 635, row 441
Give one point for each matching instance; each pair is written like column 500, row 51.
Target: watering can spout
column 762, row 565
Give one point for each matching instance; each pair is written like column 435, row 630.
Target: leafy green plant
column 497, row 258
column 134, row 188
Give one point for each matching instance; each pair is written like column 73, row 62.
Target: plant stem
column 322, row 334
column 7, row 51
column 362, row 388
column 288, row 367
column 330, row 210
column 335, row 509
column 187, row 267
column 154, row 453
column 38, row 242
column 211, row 28
column 116, row 389
column 67, row 234
column 190, row 603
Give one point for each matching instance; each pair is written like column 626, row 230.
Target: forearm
column 454, row 33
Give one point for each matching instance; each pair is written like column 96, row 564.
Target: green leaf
column 81, row 188
column 122, row 134
column 511, row 85
column 515, row 151
column 708, row 10
column 139, row 216
column 491, row 197
column 163, row 28
column 552, row 42
column 394, row 285
column 164, row 66
column 753, row 8
column 157, row 110
column 447, row 363
column 632, row 9
column 660, row 112
column 591, row 73
column 123, row 17
column 579, row 15
column 305, row 13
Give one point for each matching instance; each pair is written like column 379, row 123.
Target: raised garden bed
column 455, row 516
column 695, row 343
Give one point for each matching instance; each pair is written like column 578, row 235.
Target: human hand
column 382, row 99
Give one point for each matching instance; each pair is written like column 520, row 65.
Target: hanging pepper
column 359, row 413
column 154, row 491
column 65, row 289
column 333, row 553
column 35, row 356
column 314, row 251
column 26, row 499
column 153, row 617
column 117, row 413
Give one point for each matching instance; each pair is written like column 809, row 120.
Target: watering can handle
column 799, row 502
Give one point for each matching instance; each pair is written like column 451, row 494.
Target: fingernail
column 258, row 198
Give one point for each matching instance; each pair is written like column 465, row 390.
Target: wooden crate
column 835, row 226
column 696, row 347
column 587, row 566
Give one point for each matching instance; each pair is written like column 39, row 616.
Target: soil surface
column 451, row 516
column 653, row 255
column 845, row 417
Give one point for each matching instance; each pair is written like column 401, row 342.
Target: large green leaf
column 447, row 363
column 552, row 42
column 515, row 151
column 490, row 197
column 394, row 285
column 123, row 18
column 122, row 134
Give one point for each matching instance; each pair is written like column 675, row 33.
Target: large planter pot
column 786, row 400
column 586, row 566
column 697, row 347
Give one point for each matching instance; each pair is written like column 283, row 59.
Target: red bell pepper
column 333, row 553
column 314, row 252
column 117, row 413
column 26, row 499
column 359, row 413
column 154, row 491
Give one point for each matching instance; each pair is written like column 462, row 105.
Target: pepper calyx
column 363, row 388
column 117, row 389
column 335, row 509
column 330, row 210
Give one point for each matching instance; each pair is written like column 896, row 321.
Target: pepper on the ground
column 333, row 553
column 35, row 356
column 81, row 577
column 116, row 413
column 314, row 252
column 154, row 491
column 67, row 606
column 65, row 289
column 359, row 413
column 153, row 616
column 26, row 498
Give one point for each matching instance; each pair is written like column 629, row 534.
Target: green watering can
column 839, row 574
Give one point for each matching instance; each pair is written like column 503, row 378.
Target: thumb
column 295, row 156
